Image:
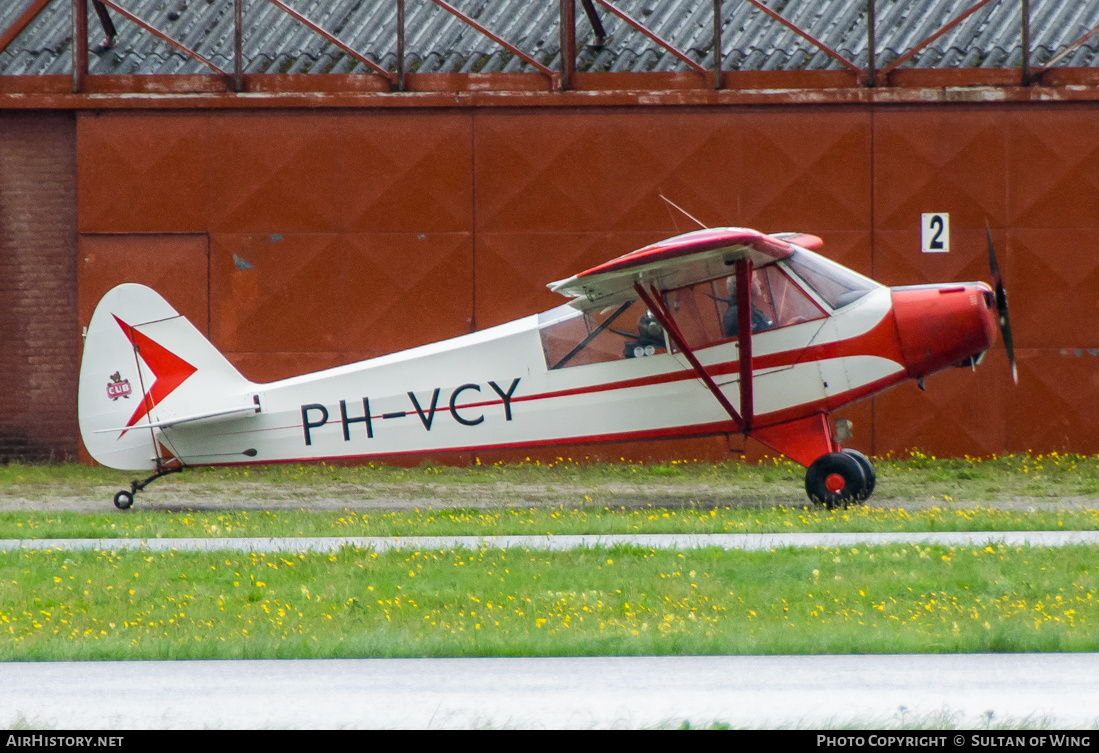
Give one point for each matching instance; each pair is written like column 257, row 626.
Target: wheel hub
column 835, row 483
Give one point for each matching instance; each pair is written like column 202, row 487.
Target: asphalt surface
column 1057, row 691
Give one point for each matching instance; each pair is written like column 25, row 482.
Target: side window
column 699, row 311
column 572, row 338
column 707, row 313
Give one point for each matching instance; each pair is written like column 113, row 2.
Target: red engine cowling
column 942, row 325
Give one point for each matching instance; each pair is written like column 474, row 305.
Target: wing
column 673, row 263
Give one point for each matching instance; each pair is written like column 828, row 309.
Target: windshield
column 836, row 284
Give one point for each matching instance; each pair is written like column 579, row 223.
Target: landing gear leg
column 124, row 500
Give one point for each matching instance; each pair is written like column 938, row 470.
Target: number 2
column 936, row 240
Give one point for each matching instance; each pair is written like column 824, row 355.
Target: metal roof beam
column 1038, row 71
column 22, row 22
column 653, row 36
column 807, row 36
column 596, row 23
column 113, row 5
column 547, row 72
column 911, row 53
column 306, row 22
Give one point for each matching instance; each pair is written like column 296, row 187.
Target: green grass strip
column 917, row 476
column 519, row 521
column 176, row 605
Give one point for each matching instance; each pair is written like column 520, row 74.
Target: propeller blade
column 994, row 268
column 1001, row 305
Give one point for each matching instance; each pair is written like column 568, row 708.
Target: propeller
column 1001, row 304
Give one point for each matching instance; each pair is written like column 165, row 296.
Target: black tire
column 124, row 500
column 867, row 472
column 834, row 480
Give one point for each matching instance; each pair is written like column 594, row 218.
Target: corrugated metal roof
column 438, row 42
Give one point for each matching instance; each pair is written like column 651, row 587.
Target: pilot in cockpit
column 760, row 320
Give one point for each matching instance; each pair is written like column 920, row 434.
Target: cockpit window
column 837, row 285
column 571, row 338
column 706, row 313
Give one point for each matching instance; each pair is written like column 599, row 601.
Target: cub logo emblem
column 118, row 387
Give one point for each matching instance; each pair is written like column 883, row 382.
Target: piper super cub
column 717, row 331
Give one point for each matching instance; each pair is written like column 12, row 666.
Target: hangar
column 314, row 183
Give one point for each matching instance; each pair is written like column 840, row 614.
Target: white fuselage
column 493, row 389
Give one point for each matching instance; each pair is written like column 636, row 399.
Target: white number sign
column 935, row 235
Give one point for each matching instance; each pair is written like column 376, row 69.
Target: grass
column 601, row 601
column 626, row 600
column 528, row 520
column 917, row 493
column 916, row 477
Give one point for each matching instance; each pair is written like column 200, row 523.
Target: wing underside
column 676, row 262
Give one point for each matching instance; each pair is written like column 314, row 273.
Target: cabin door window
column 706, row 313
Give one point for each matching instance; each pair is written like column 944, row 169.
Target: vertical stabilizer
column 145, row 367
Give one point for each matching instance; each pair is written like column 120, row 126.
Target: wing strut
column 744, row 334
column 667, row 321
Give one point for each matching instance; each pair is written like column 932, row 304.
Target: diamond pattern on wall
column 513, row 269
column 1056, row 407
column 358, row 227
column 275, row 174
column 1054, row 167
column 961, row 412
column 595, row 171
column 271, row 366
column 1053, row 287
column 939, row 160
column 173, row 265
column 275, row 293
column 535, row 173
column 811, row 173
column 408, row 172
column 898, row 259
column 141, row 172
column 400, row 290
column 358, row 295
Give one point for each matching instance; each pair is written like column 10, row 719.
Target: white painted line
column 741, row 541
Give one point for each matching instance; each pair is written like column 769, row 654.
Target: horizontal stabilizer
column 252, row 408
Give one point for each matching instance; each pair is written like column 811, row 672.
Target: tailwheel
column 124, row 500
column 868, row 473
column 835, row 479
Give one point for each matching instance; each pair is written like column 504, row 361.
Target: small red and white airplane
column 717, row 331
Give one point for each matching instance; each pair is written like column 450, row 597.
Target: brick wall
column 39, row 338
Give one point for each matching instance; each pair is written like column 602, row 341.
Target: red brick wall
column 39, row 337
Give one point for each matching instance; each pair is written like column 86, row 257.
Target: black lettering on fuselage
column 348, row 421
column 454, row 405
column 307, row 424
column 315, row 415
column 506, row 396
column 430, row 416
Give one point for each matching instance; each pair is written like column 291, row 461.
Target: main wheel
column 124, row 500
column 834, row 480
column 868, row 473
